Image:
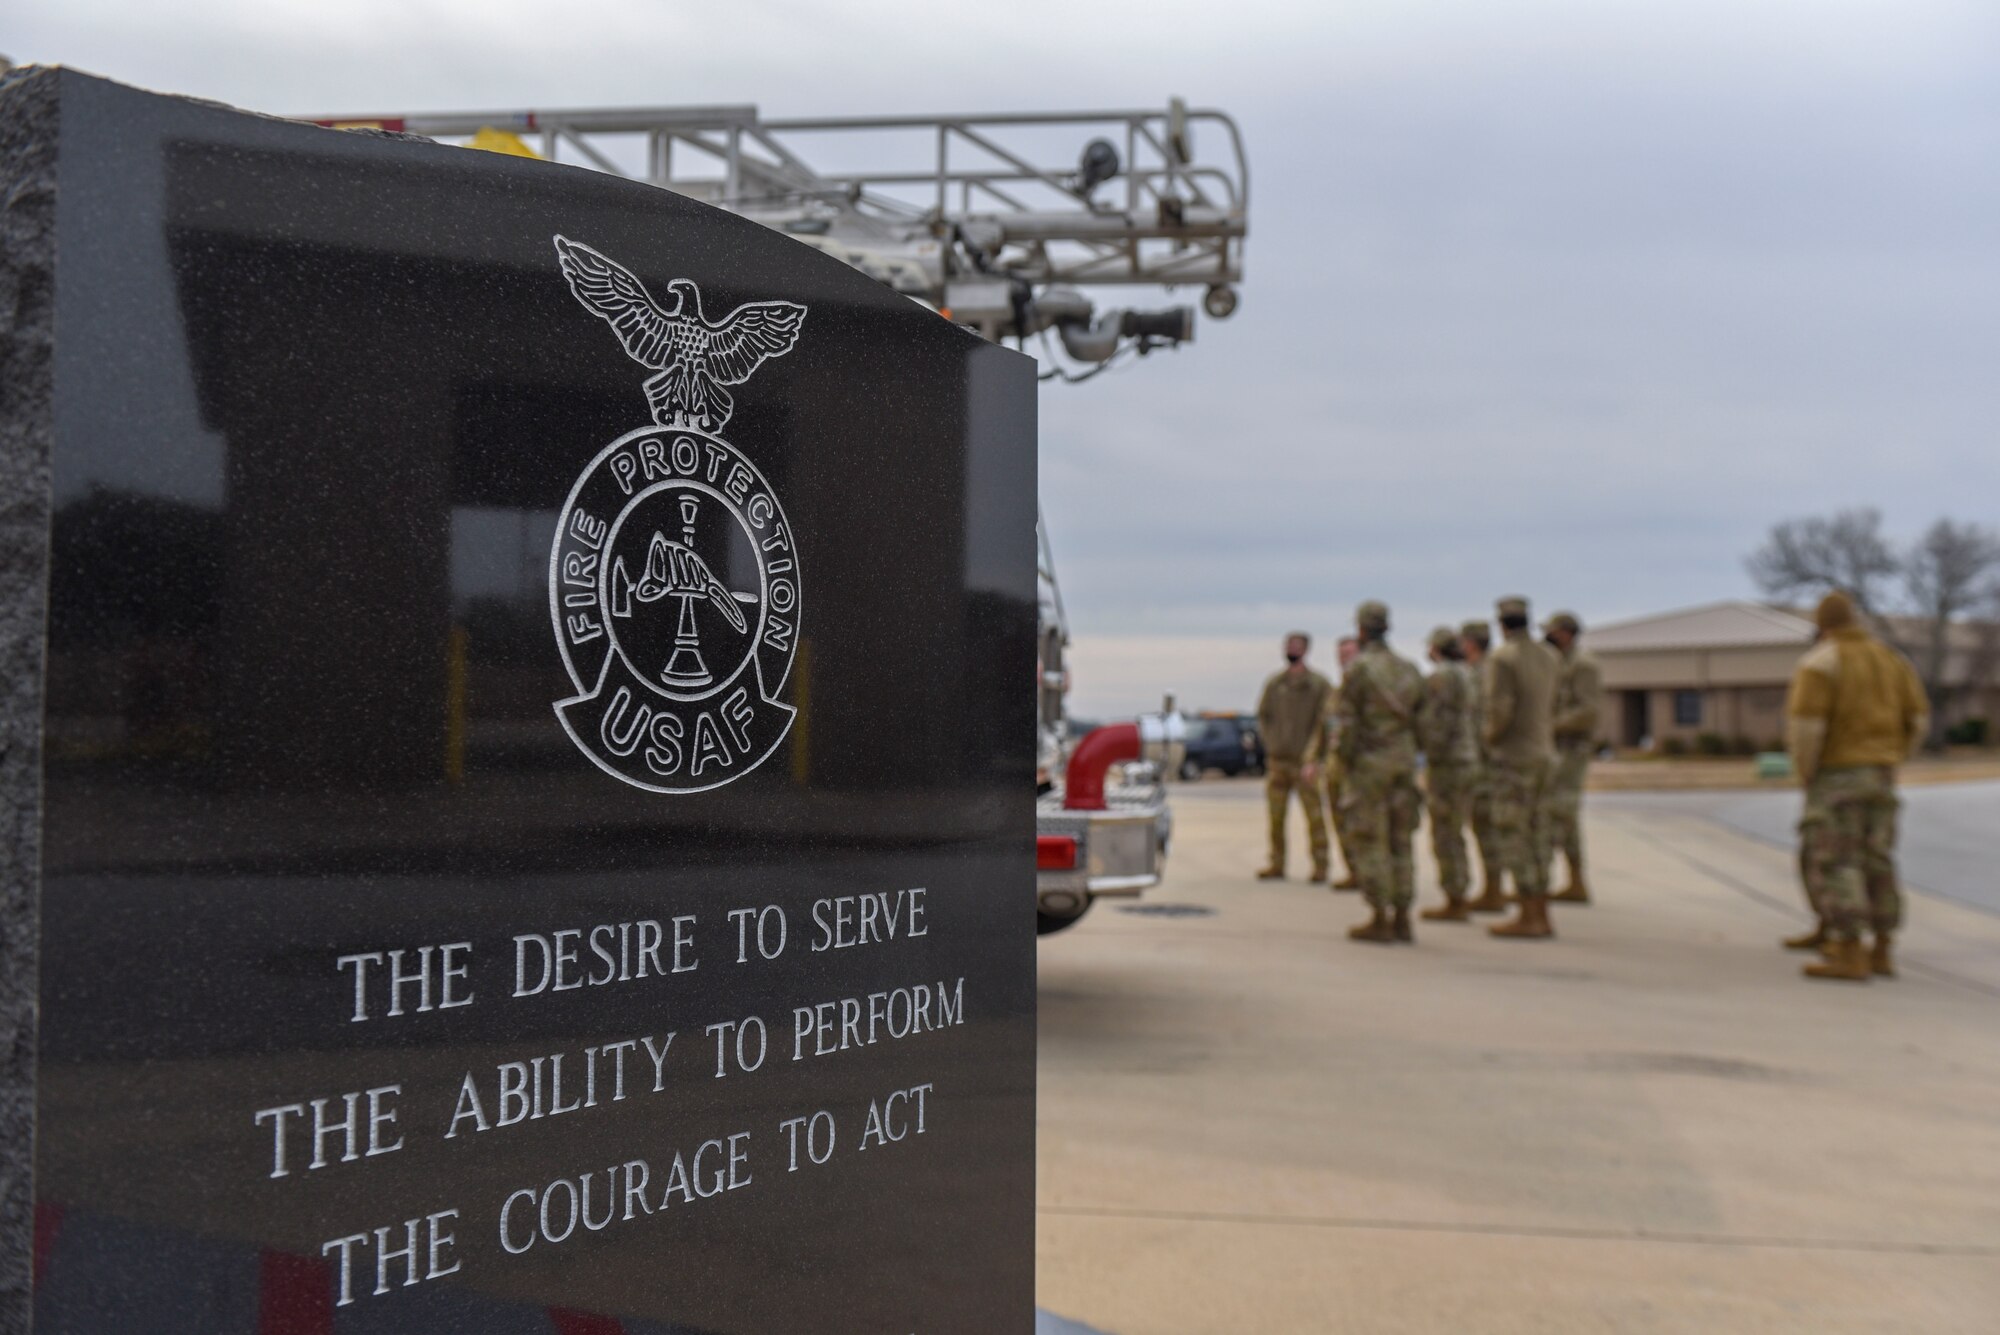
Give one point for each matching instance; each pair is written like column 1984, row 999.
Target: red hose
column 1100, row 749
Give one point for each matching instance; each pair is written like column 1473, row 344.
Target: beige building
column 1722, row 670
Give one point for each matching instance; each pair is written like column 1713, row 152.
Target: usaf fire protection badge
column 674, row 579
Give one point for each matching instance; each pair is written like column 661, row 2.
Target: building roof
column 1735, row 624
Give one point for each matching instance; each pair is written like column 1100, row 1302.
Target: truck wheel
column 1046, row 924
column 1190, row 769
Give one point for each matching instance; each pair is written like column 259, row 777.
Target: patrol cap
column 1511, row 607
column 1478, row 632
column 1443, row 638
column 1372, row 615
column 1564, row 621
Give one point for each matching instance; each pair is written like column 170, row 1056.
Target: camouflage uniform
column 1332, row 775
column 1856, row 711
column 1491, row 871
column 1451, row 764
column 1847, row 841
column 1520, row 701
column 1290, row 717
column 1380, row 705
column 1579, row 698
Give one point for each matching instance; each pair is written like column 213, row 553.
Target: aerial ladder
column 967, row 214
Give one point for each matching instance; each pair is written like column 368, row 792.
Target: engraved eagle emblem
column 693, row 358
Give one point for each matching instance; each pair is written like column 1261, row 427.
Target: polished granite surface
column 534, row 824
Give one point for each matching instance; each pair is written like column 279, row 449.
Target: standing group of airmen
column 1506, row 734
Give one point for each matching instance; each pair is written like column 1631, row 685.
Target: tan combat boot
column 1880, row 962
column 1531, row 924
column 1271, row 873
column 1347, row 882
column 1812, row 940
column 1490, row 900
column 1845, row 962
column 1400, row 926
column 1576, row 892
column 1452, row 910
column 1377, row 929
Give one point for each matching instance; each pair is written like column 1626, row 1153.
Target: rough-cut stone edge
column 29, row 116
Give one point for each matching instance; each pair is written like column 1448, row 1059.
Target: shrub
column 1969, row 732
column 1739, row 745
column 1711, row 744
column 1673, row 746
column 1776, row 744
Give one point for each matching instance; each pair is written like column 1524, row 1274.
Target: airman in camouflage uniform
column 1334, row 772
column 1379, row 709
column 1290, row 719
column 1856, row 711
column 1475, row 638
column 1451, row 760
column 1579, row 698
column 1520, row 735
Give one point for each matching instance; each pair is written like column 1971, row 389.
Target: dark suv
column 1229, row 743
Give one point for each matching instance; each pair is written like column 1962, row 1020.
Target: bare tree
column 1949, row 572
column 1842, row 551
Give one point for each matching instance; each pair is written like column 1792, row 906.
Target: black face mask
column 1291, row 657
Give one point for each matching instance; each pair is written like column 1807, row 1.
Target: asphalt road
column 1949, row 834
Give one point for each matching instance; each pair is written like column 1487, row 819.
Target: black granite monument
column 517, row 745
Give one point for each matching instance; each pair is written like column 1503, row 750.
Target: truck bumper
column 1121, row 851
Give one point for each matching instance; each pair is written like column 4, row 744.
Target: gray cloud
column 1560, row 297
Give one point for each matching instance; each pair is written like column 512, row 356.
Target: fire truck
column 999, row 223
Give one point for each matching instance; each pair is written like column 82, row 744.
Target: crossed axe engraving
column 676, row 570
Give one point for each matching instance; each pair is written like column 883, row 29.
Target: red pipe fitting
column 1100, row 749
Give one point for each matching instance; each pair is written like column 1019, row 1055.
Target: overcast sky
column 1563, row 297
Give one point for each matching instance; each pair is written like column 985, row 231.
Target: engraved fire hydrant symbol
column 675, row 570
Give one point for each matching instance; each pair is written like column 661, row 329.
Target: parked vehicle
column 1227, row 742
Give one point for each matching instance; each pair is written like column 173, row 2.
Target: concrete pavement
column 1250, row 1125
